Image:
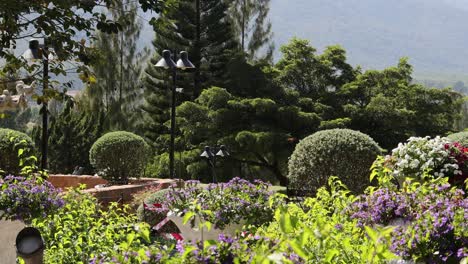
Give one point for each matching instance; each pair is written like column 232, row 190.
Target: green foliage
column 71, row 134
column 344, row 153
column 387, row 106
column 251, row 24
column 81, row 230
column 323, row 233
column 117, row 90
column 460, row 137
column 259, row 132
column 201, row 28
column 119, row 155
column 13, row 146
column 154, row 217
column 60, row 22
column 314, row 76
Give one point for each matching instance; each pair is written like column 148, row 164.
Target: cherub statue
column 5, row 98
column 21, row 88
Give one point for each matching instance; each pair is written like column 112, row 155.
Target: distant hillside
column 375, row 33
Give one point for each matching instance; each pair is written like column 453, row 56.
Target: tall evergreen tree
column 117, row 90
column 201, row 28
column 250, row 20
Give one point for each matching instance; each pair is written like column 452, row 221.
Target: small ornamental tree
column 119, row 155
column 12, row 145
column 345, row 153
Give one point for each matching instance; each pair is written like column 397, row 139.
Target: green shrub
column 119, row 155
column 460, row 137
column 81, row 230
column 11, row 141
column 344, row 153
column 154, row 218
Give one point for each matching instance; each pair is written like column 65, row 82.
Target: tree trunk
column 283, row 180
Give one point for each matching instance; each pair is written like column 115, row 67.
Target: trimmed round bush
column 154, row 218
column 345, row 153
column 119, row 155
column 460, row 137
column 10, row 142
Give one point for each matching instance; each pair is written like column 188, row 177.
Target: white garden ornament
column 195, row 233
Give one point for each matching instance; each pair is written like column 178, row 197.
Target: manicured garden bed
column 414, row 208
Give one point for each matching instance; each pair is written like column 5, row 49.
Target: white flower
column 414, row 164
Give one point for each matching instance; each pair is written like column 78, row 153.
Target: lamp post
column 183, row 63
column 41, row 52
column 210, row 156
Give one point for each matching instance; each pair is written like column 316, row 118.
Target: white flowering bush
column 423, row 156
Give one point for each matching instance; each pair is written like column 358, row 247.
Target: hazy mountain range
column 376, row 33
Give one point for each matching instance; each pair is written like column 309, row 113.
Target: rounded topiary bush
column 460, row 137
column 10, row 142
column 154, row 218
column 345, row 153
column 119, row 155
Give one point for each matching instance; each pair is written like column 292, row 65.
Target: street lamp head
column 184, row 63
column 207, row 153
column 35, row 51
column 32, row 53
column 223, row 152
column 166, row 61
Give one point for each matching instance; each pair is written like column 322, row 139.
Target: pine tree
column 250, row 20
column 201, row 28
column 117, row 90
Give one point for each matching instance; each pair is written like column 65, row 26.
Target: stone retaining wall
column 124, row 193
column 73, row 181
column 116, row 193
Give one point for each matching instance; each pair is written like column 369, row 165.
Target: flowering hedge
column 420, row 158
column 427, row 227
column 27, row 198
column 421, row 222
column 221, row 204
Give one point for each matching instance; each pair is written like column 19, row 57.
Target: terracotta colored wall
column 66, row 181
column 124, row 193
column 116, row 193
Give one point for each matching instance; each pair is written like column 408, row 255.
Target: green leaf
column 331, row 254
column 188, row 216
column 299, row 249
column 130, row 238
column 285, row 222
column 372, row 234
column 208, row 225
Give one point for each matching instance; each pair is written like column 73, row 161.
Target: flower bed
column 422, row 220
column 421, row 158
column 27, row 198
column 235, row 202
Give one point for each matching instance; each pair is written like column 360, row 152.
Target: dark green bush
column 11, row 141
column 345, row 153
column 119, row 155
column 461, row 137
column 154, row 218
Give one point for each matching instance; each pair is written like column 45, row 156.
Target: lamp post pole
column 173, row 123
column 40, row 52
column 167, row 63
column 45, row 136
